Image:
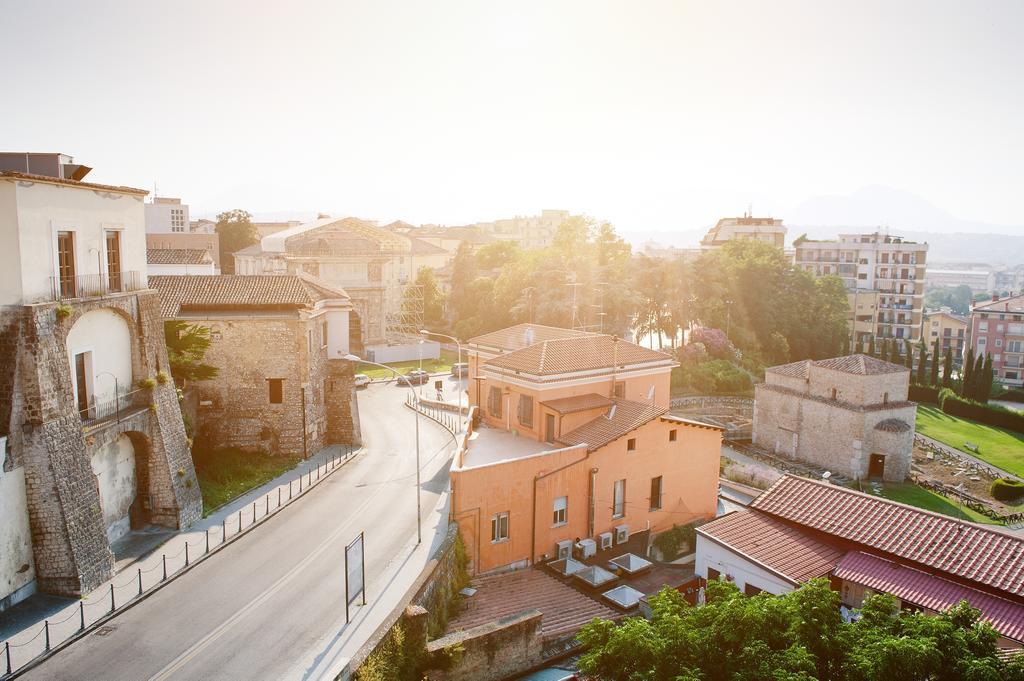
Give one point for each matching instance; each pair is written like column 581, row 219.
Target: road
column 265, row 601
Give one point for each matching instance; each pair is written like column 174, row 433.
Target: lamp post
column 426, row 333
column 416, row 400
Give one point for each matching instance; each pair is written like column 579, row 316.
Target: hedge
column 1005, row 489
column 1014, row 395
column 992, row 415
column 924, row 393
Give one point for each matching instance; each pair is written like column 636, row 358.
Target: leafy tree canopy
column 186, row 348
column 235, row 231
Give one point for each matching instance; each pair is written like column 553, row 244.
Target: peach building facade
column 572, row 440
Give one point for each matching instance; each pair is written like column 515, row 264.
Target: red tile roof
column 571, row 405
column 776, row 545
column 211, row 291
column 994, row 559
column 177, row 256
column 523, row 335
column 627, row 417
column 862, row 365
column 1009, row 304
column 585, row 353
column 929, row 591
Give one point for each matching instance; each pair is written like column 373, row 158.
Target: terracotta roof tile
column 523, row 335
column 893, row 426
column 779, row 546
column 32, row 177
column 863, row 365
column 930, row 591
column 205, row 291
column 582, row 353
column 177, row 256
column 962, row 549
column 796, row 369
column 627, row 417
column 1010, row 304
column 570, row 405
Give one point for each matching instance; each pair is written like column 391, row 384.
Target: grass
column 913, row 495
column 226, row 474
column 433, row 366
column 999, row 447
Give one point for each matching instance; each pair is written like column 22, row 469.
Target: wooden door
column 876, row 467
column 114, row 260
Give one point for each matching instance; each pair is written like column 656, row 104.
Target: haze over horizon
column 665, row 117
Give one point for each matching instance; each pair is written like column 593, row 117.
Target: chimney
column 995, row 297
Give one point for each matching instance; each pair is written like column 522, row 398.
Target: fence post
column 46, row 626
column 140, row 581
column 224, row 529
column 207, row 539
column 164, row 558
column 81, row 615
column 111, row 597
column 289, row 490
column 7, row 649
column 186, row 554
column 266, row 500
column 279, row 497
column 239, row 520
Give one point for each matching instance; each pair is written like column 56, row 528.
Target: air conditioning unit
column 588, row 547
column 564, row 549
column 621, row 534
column 605, row 540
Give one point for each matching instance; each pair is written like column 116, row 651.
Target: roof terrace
column 488, row 445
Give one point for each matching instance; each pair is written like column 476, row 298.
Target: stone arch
column 120, row 466
column 101, row 346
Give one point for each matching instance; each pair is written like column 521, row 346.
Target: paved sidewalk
column 23, row 627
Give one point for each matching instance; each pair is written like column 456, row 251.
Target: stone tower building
column 849, row 415
column 93, row 443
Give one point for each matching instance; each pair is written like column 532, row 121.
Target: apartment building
column 979, row 280
column 951, row 330
column 888, row 265
column 573, row 445
column 536, row 231
column 167, row 215
column 91, row 435
column 768, row 230
column 997, row 328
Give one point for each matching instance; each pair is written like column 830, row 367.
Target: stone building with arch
column 92, row 443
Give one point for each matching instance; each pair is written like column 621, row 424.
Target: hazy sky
column 653, row 115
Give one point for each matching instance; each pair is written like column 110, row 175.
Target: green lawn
column 1001, row 448
column 432, row 366
column 912, row 495
column 225, row 474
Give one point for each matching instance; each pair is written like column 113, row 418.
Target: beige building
column 768, row 230
column 887, row 265
column 278, row 342
column 849, row 415
column 536, row 231
column 951, row 330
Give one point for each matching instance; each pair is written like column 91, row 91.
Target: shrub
column 147, row 383
column 1005, row 489
column 162, row 377
column 63, row 310
column 1013, row 395
column 924, row 393
column 671, row 543
column 989, row 414
column 718, row 376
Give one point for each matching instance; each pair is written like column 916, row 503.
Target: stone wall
column 342, row 406
column 490, row 652
column 48, row 440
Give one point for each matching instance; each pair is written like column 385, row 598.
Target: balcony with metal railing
column 94, row 285
column 108, row 408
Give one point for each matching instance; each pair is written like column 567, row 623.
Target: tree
column 235, row 231
column 894, row 357
column 884, row 352
column 909, row 349
column 947, row 369
column 871, row 346
column 966, row 374
column 922, row 363
column 186, row 349
column 985, row 381
column 797, row 636
column 934, row 380
column 956, row 298
column 860, row 346
column 977, row 377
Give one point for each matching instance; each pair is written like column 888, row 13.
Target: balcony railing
column 108, row 406
column 94, row 285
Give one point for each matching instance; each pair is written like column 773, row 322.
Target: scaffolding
column 403, row 305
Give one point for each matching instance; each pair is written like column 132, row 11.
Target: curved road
column 268, row 600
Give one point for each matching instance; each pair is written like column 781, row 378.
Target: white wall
column 40, row 211
column 205, row 268
column 158, row 217
column 17, row 568
column 403, row 353
column 105, row 334
column 337, row 333
column 742, row 570
column 114, row 467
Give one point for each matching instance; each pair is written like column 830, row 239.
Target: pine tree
column 934, row 380
column 860, row 345
column 871, row 346
column 965, row 373
column 922, row 363
column 947, row 369
column 846, row 346
column 884, row 352
column 894, row 352
column 977, row 378
column 909, row 349
column 985, row 380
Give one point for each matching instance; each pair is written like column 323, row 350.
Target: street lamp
column 424, row 332
column 416, row 400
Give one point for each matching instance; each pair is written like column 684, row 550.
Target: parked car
column 460, row 369
column 362, row 380
column 414, row 377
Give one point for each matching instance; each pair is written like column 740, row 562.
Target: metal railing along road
column 94, row 285
column 29, row 647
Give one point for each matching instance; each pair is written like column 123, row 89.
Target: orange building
column 574, row 441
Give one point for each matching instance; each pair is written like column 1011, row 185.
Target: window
column 1011, row 375
column 66, row 263
column 275, row 387
column 656, row 493
column 631, row 444
column 323, row 334
column 981, row 343
column 982, row 326
column 619, row 389
column 673, row 435
column 499, row 527
column 999, row 342
column 996, row 357
column 113, row 239
column 526, row 410
column 835, row 392
column 619, row 499
column 751, row 590
column 494, row 402
column 558, row 516
column 713, row 574
column 885, row 398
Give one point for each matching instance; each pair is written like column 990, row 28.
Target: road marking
column 205, row 642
